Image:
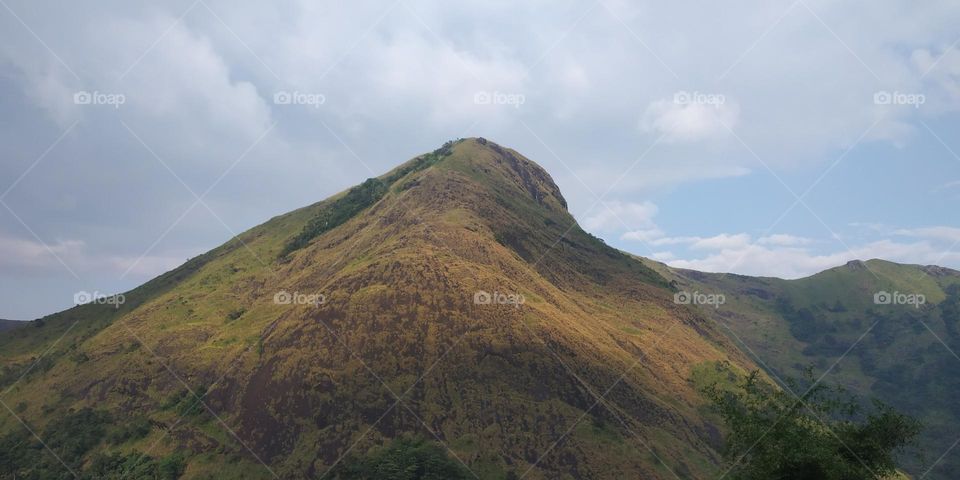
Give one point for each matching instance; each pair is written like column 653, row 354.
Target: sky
column 772, row 138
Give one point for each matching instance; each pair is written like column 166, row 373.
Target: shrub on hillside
column 823, row 434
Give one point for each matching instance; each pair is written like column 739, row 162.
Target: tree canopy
column 824, row 434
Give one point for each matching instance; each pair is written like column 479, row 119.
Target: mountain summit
column 453, row 299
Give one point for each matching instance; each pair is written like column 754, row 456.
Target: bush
column 185, row 403
column 135, row 466
column 235, row 314
column 134, row 430
column 74, row 436
column 71, row 437
column 825, row 434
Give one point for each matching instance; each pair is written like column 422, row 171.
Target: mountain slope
column 10, row 324
column 457, row 282
column 902, row 354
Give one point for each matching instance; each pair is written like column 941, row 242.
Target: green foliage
column 135, row 466
column 359, row 198
column 420, row 163
column 187, row 404
column 950, row 311
column 72, row 437
column 898, row 354
column 235, row 314
column 75, row 434
column 133, row 430
column 825, row 434
column 838, row 307
column 403, row 459
column 12, row 373
column 69, row 437
column 805, row 324
column 79, row 357
column 337, row 212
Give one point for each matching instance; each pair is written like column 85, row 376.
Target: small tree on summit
column 826, row 435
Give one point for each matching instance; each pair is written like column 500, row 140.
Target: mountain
column 10, row 324
column 900, row 347
column 458, row 283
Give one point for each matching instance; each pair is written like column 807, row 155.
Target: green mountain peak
column 453, row 298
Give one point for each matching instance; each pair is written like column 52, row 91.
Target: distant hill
column 905, row 355
column 10, row 324
column 458, row 282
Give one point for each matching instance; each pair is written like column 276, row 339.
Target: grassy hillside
column 901, row 354
column 10, row 324
column 283, row 352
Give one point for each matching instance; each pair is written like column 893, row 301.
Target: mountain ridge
column 576, row 359
column 588, row 374
column 845, row 324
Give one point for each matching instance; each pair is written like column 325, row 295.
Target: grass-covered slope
column 904, row 355
column 10, row 324
column 384, row 281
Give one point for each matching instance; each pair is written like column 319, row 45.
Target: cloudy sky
column 759, row 137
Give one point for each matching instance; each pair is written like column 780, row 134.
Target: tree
column 826, row 434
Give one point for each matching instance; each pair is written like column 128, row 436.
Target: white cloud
column 795, row 262
column 421, row 74
column 691, row 121
column 717, row 242
column 643, row 235
column 949, row 234
column 947, row 186
column 722, row 242
column 25, row 256
column 20, row 253
column 185, row 77
column 617, row 215
column 942, row 69
column 784, row 240
column 661, row 173
column 790, row 256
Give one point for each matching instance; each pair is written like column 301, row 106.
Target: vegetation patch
column 133, row 430
column 69, row 439
column 187, row 404
column 136, row 466
column 825, row 433
column 235, row 314
column 359, row 198
column 403, row 459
